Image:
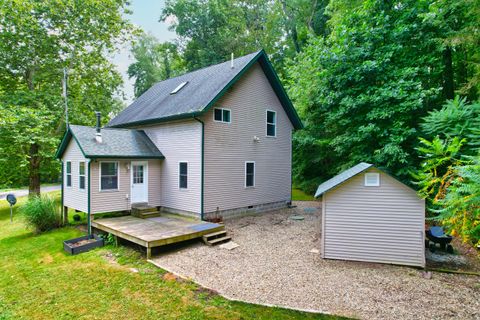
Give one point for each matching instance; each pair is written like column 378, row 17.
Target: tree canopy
column 38, row 39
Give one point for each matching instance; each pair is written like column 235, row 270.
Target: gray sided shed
column 367, row 215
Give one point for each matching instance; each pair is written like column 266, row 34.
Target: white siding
column 375, row 224
column 229, row 145
column 179, row 141
column 119, row 200
column 74, row 197
column 154, row 183
column 110, row 200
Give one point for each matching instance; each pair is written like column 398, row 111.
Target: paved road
column 24, row 192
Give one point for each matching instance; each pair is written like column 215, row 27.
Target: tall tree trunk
column 290, row 23
column 33, row 152
column 448, row 81
column 34, row 170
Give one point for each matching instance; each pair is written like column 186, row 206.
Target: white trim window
column 249, row 174
column 372, row 179
column 222, row 115
column 183, row 175
column 81, row 175
column 271, row 129
column 68, row 173
column 109, row 180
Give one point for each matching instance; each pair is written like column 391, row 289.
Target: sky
column 146, row 14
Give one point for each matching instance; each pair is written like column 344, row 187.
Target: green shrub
column 76, row 217
column 42, row 213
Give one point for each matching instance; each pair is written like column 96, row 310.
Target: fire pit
column 82, row 244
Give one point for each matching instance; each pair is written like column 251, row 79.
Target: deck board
column 158, row 231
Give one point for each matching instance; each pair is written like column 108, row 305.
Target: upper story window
column 183, row 175
column 249, row 174
column 372, row 179
column 108, row 175
column 271, row 123
column 81, row 175
column 69, row 173
column 221, row 115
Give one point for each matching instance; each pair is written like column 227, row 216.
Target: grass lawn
column 299, row 195
column 39, row 281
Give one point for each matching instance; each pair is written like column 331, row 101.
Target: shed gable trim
column 347, row 175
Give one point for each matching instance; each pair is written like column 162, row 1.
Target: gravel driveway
column 274, row 265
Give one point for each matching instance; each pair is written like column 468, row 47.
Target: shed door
column 139, row 181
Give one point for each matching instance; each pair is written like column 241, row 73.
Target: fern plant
column 461, row 204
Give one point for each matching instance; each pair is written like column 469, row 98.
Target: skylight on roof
column 179, row 87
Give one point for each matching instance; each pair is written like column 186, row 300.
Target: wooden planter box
column 68, row 245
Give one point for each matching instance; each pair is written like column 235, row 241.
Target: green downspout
column 202, row 169
column 61, row 188
column 89, row 223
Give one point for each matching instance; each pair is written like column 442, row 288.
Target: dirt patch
column 464, row 259
column 205, row 293
column 274, row 265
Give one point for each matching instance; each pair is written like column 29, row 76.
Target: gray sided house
column 216, row 140
column 367, row 215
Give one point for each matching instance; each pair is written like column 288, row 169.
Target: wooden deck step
column 216, row 238
column 152, row 214
column 219, row 240
column 144, row 211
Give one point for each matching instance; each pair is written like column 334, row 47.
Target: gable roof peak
column 205, row 86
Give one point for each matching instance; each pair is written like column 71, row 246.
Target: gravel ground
column 274, row 265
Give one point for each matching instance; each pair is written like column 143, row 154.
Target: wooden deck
column 155, row 232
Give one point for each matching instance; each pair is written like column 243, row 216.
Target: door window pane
column 137, row 174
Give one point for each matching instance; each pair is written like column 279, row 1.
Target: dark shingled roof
column 204, row 87
column 116, row 143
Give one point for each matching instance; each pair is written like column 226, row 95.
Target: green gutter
column 202, row 174
column 89, row 223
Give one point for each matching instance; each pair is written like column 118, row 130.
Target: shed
column 367, row 215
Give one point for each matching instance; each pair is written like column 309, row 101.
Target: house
column 367, row 215
column 213, row 141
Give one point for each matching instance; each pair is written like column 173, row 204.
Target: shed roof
column 202, row 89
column 342, row 177
column 116, row 143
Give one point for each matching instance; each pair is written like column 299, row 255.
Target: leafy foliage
column 362, row 90
column 449, row 176
column 461, row 205
column 38, row 39
column 154, row 62
column 42, row 213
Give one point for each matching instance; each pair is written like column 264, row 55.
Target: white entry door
column 139, row 181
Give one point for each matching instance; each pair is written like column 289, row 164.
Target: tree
column 37, row 40
column 154, row 62
column 449, row 174
column 209, row 31
column 362, row 90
